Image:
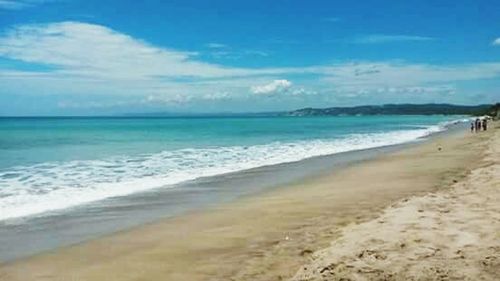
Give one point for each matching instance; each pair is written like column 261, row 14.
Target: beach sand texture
column 447, row 235
column 270, row 235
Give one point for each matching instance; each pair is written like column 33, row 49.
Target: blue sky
column 71, row 57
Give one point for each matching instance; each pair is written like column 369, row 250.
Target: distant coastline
column 386, row 109
column 400, row 109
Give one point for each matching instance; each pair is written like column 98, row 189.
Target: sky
column 89, row 57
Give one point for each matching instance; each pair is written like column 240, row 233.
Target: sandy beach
column 450, row 234
column 249, row 140
column 425, row 212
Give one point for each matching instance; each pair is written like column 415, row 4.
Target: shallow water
column 27, row 235
column 52, row 164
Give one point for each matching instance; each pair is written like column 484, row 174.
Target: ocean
column 55, row 164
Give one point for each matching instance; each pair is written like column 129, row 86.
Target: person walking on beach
column 478, row 125
column 485, row 124
column 472, row 127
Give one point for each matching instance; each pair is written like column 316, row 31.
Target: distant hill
column 394, row 109
column 493, row 110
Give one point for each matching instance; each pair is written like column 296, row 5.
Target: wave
column 36, row 189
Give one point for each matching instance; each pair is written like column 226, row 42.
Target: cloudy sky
column 89, row 57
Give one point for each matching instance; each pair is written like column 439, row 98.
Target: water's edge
column 28, row 236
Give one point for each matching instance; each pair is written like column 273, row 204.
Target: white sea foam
column 33, row 190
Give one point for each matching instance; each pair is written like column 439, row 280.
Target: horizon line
column 158, row 114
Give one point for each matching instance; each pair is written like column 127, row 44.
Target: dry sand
column 271, row 235
column 447, row 235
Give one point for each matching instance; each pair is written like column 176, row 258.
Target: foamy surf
column 38, row 189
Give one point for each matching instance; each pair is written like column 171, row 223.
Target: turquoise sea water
column 56, row 163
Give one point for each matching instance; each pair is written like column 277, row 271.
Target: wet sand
column 267, row 236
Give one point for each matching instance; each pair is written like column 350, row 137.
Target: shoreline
column 258, row 237
column 68, row 227
column 173, row 165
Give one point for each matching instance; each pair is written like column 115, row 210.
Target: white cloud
column 20, row 4
column 93, row 104
column 397, row 74
column 172, row 98
column 93, row 50
column 273, row 88
column 384, row 38
column 217, row 96
column 11, row 5
column 282, row 86
column 168, row 99
column 302, row 92
column 496, row 42
column 218, row 51
column 441, row 89
column 216, row 46
column 89, row 59
column 412, row 90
